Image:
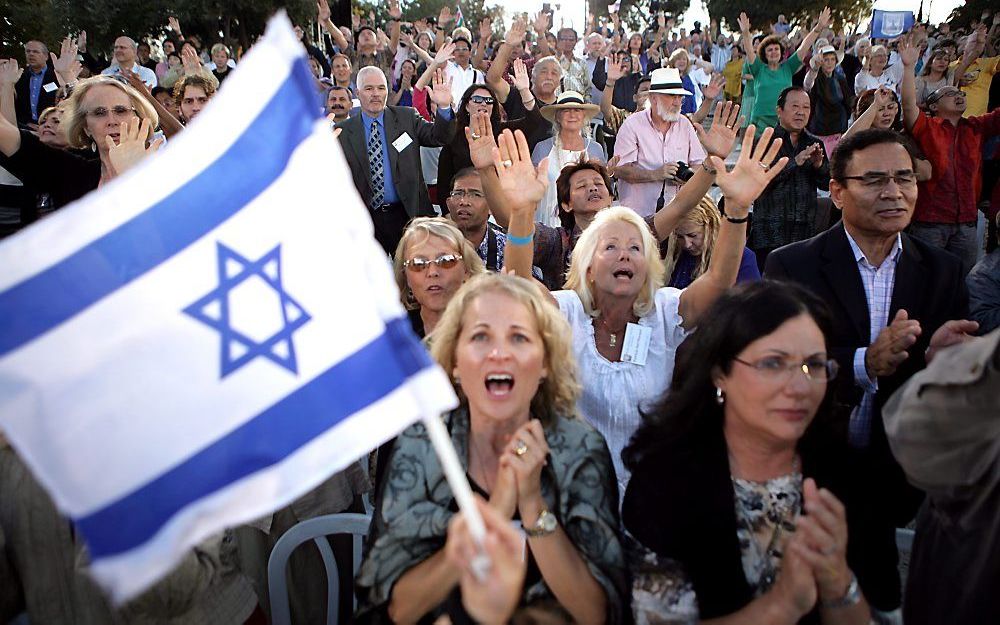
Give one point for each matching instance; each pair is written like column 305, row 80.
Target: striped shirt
column 878, row 283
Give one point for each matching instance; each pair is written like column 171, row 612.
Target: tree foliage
column 799, row 12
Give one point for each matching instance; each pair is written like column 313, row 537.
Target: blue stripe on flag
column 256, row 159
column 352, row 384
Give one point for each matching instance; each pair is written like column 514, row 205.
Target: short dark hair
column 846, row 147
column 340, row 88
column 644, row 78
column 157, row 90
column 946, row 43
column 783, row 96
column 562, row 187
column 465, row 172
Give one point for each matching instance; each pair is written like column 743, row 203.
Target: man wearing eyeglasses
column 469, row 210
column 126, row 60
column 895, row 301
column 946, row 208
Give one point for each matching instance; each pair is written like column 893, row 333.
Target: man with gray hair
column 126, row 55
column 35, row 91
column 382, row 147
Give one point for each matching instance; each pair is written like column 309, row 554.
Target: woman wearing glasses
column 103, row 115
column 742, row 491
column 432, row 261
column 480, row 100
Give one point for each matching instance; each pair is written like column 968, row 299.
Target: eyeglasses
column 118, row 111
column 873, row 181
column 461, row 194
column 463, row 49
column 481, row 99
column 567, row 39
column 777, row 369
column 444, row 261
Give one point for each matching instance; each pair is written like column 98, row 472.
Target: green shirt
column 768, row 84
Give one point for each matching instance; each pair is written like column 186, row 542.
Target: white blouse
column 891, row 77
column 614, row 392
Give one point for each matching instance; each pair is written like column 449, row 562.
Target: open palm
column 721, row 138
column 523, row 184
column 754, row 170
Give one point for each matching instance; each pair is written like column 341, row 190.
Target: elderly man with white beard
column 652, row 143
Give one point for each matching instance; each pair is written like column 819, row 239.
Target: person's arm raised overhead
column 807, row 42
column 754, row 170
column 908, row 54
column 494, row 77
column 744, row 23
column 323, row 15
column 10, row 138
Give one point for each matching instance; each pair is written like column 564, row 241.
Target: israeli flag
column 209, row 336
column 891, row 24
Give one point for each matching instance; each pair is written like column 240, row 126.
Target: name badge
column 401, row 143
column 636, row 346
column 50, row 87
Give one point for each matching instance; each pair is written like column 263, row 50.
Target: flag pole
column 460, row 486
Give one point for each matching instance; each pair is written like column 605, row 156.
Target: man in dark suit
column 894, row 299
column 382, row 145
column 35, row 91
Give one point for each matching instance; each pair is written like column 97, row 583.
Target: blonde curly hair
column 586, row 248
column 420, row 229
column 559, row 390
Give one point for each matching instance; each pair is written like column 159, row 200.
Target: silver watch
column 851, row 597
column 544, row 525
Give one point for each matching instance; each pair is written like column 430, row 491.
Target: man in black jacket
column 382, row 146
column 36, row 89
column 894, row 300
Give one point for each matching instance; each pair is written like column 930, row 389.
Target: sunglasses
column 444, row 261
column 482, row 99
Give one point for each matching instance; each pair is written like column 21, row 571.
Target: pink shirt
column 640, row 143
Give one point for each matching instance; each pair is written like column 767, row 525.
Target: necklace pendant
column 614, row 340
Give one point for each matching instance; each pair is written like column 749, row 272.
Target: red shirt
column 956, row 155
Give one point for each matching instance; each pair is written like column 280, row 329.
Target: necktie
column 375, row 165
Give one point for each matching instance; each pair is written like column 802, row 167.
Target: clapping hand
column 951, row 333
column 808, row 154
column 721, row 138
column 131, row 147
column 754, row 170
column 888, row 351
column 441, row 89
column 526, row 453
column 824, row 548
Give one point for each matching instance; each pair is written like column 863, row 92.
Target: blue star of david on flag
column 250, row 308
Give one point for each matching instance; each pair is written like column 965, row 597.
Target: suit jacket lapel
column 906, row 291
column 841, row 271
column 392, row 132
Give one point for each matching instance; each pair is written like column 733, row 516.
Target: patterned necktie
column 375, row 165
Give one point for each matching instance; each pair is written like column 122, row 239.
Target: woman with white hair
column 570, row 143
column 878, row 73
column 626, row 324
column 222, row 62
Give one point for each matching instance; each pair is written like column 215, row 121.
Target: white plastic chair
column 317, row 530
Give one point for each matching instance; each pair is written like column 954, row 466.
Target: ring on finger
column 520, row 448
column 477, row 136
column 763, row 166
column 507, row 163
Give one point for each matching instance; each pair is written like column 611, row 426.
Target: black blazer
column 929, row 286
column 407, row 174
column 22, row 95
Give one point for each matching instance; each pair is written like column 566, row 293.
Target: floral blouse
column 765, row 517
column 410, row 521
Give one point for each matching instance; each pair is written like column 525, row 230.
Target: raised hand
column 744, row 23
column 131, row 147
column 486, row 29
column 754, row 170
column 714, row 87
column 888, row 351
column 523, row 184
column 136, row 83
column 444, row 16
column 614, row 70
column 441, row 89
column 522, row 80
column 719, row 141
column 406, row 39
column 81, row 41
column 66, row 65
column 394, row 11
column 908, row 51
column 190, row 61
column 482, row 144
column 10, row 73
column 174, row 24
column 323, row 12
column 825, row 18
column 445, row 54
column 661, row 22
column 541, row 23
column 515, row 35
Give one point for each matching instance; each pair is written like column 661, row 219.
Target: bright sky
column 573, row 12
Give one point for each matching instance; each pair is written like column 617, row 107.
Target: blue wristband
column 521, row 240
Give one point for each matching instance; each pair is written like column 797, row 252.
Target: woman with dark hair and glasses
column 480, row 99
column 742, row 489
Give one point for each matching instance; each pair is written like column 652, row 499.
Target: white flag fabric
column 212, row 334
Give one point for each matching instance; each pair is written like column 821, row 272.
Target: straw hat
column 569, row 100
column 667, row 80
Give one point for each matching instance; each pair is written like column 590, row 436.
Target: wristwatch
column 851, row 597
column 544, row 525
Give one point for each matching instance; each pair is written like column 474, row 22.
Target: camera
column 684, row 172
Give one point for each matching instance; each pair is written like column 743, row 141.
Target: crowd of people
column 719, row 307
